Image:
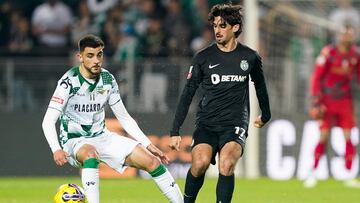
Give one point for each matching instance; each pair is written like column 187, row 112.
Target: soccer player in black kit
column 223, row 70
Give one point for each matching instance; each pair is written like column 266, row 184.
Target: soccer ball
column 69, row 193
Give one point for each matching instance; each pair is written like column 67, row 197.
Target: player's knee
column 199, row 166
column 226, row 167
column 86, row 152
column 152, row 164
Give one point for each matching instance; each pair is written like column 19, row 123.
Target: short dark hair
column 232, row 14
column 90, row 41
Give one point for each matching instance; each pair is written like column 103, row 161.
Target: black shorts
column 217, row 139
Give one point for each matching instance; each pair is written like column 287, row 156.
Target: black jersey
column 224, row 77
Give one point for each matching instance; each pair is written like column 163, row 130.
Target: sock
column 192, row 187
column 349, row 154
column 90, row 180
column 225, row 188
column 166, row 184
column 319, row 150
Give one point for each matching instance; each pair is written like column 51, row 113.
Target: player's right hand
column 60, row 157
column 175, row 142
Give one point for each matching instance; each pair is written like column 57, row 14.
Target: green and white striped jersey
column 82, row 103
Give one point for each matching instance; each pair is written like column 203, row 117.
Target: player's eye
column 223, row 25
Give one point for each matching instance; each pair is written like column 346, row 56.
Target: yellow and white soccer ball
column 70, row 193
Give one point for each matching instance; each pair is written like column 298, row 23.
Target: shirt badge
column 244, row 65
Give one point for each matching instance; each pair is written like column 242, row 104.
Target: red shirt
column 331, row 79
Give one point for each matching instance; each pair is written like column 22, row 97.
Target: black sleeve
column 193, row 81
column 257, row 76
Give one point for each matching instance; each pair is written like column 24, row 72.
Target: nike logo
column 213, row 66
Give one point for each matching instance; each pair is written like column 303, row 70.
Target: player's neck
column 229, row 46
column 343, row 48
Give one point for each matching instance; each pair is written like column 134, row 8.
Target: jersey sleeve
column 194, row 79
column 257, row 76
column 114, row 96
column 61, row 95
column 320, row 69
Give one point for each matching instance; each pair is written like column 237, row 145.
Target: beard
column 94, row 70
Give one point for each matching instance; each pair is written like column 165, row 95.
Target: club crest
column 244, row 65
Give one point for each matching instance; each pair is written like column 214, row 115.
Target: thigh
column 346, row 118
column 202, row 154
column 231, row 152
column 236, row 135
column 113, row 150
column 141, row 158
column 205, row 143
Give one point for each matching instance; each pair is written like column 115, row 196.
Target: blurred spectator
column 345, row 13
column 153, row 44
column 5, row 9
column 112, row 29
column 153, row 41
column 51, row 23
column 202, row 41
column 147, row 8
column 177, row 28
column 20, row 37
column 83, row 24
column 97, row 7
column 303, row 49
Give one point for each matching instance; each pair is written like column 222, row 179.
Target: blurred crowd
column 145, row 27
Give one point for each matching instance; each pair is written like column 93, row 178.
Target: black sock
column 192, row 187
column 225, row 188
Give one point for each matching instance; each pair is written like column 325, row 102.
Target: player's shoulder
column 328, row 50
column 72, row 72
column 106, row 76
column 243, row 47
column 206, row 51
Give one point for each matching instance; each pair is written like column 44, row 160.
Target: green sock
column 91, row 163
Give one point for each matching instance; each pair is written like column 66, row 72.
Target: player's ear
column 235, row 28
column 79, row 56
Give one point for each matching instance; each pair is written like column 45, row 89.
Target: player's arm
column 194, row 79
column 320, row 69
column 258, row 78
column 57, row 104
column 130, row 125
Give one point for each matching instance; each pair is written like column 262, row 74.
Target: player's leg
column 202, row 154
column 201, row 157
column 87, row 156
column 321, row 146
column 319, row 150
column 350, row 150
column 232, row 144
column 142, row 159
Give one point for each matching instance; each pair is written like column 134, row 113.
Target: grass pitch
column 42, row 190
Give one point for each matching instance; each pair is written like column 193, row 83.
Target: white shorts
column 112, row 149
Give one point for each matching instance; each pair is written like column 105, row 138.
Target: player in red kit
column 331, row 95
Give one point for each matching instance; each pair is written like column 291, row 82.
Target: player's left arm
column 130, row 125
column 257, row 76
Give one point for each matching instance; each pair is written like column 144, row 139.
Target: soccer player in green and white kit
column 79, row 100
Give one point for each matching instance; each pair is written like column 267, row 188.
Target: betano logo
column 216, row 79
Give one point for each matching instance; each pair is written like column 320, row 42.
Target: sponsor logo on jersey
column 65, row 83
column 101, row 90
column 57, row 100
column 87, row 107
column 244, row 65
column 190, row 72
column 216, row 79
column 213, row 66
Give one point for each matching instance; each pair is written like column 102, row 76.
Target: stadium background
column 149, row 45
